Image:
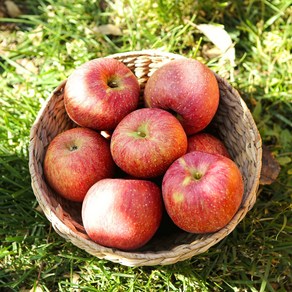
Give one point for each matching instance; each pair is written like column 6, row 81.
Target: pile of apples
column 137, row 153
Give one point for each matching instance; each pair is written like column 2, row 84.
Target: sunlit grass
column 54, row 37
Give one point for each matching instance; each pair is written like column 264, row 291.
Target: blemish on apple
column 178, row 197
column 186, row 181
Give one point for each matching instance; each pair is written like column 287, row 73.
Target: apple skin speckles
column 202, row 191
column 100, row 93
column 188, row 89
column 147, row 141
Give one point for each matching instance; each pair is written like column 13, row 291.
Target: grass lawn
column 42, row 46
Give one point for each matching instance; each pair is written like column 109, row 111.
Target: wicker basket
column 234, row 124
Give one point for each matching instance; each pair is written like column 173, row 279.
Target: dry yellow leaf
column 109, row 29
column 12, row 9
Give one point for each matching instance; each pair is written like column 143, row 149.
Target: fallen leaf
column 108, row 29
column 270, row 168
column 217, row 35
column 211, row 52
column 12, row 9
column 222, row 41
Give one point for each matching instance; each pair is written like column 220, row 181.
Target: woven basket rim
column 137, row 258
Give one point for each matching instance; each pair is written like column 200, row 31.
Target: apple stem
column 141, row 134
column 112, row 84
column 73, row 148
column 197, row 175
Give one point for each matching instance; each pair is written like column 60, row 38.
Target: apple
column 147, row 141
column 122, row 213
column 188, row 89
column 202, row 191
column 99, row 93
column 75, row 160
column 206, row 142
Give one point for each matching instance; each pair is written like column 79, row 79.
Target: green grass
column 42, row 47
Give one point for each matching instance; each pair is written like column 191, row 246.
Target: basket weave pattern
column 233, row 123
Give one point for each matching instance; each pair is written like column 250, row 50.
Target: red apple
column 147, row 141
column 188, row 89
column 122, row 213
column 75, row 160
column 202, row 191
column 100, row 93
column 206, row 142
